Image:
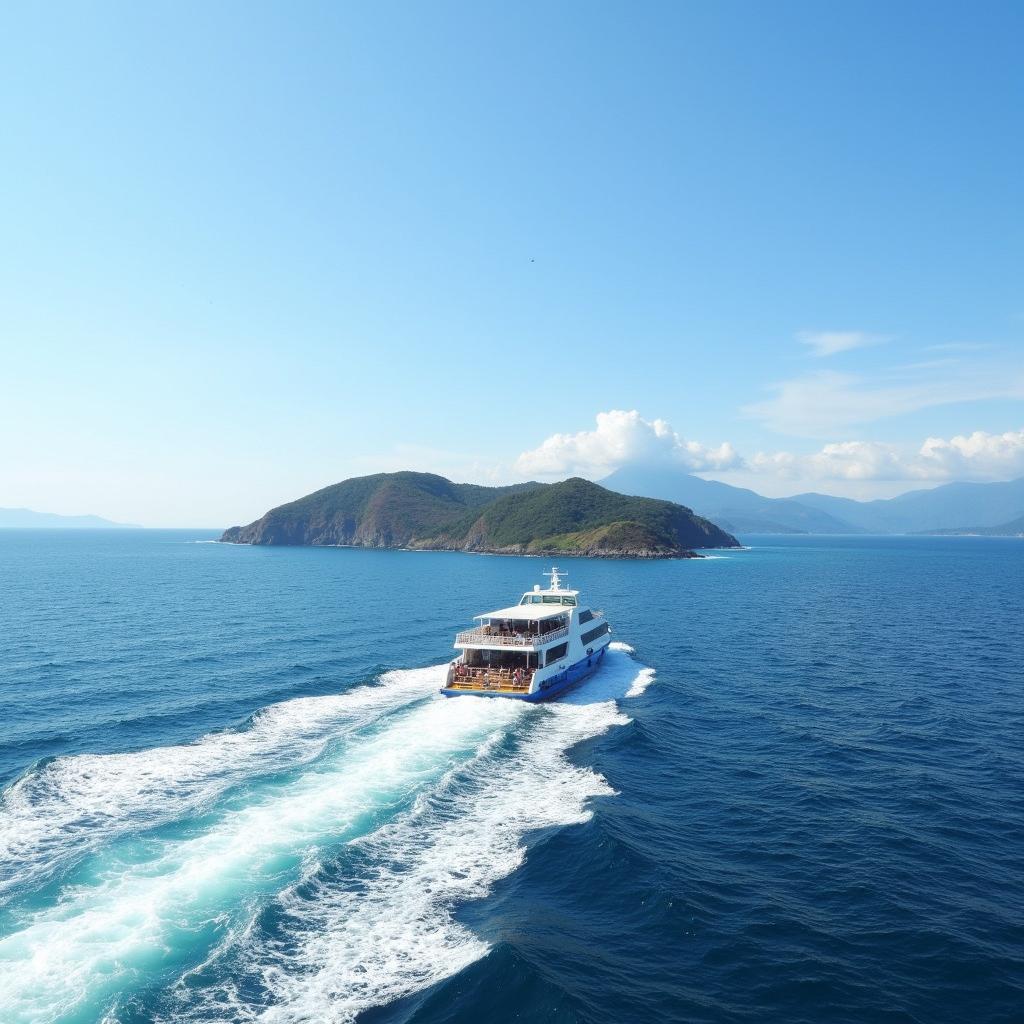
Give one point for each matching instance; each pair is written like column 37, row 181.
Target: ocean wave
column 138, row 905
column 64, row 808
column 435, row 799
column 644, row 678
column 385, row 928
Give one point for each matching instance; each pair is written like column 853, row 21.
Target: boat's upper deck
column 540, row 617
column 527, row 612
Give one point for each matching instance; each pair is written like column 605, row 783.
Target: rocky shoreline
column 519, row 550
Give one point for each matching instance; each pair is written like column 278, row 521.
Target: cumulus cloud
column 828, row 343
column 977, row 456
column 623, row 438
column 627, row 439
column 988, row 455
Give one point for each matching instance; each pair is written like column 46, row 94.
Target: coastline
column 548, row 553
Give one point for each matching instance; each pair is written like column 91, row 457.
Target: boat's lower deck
column 497, row 684
column 483, row 681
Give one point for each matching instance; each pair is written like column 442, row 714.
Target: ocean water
column 795, row 792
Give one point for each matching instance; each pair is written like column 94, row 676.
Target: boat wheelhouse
column 533, row 650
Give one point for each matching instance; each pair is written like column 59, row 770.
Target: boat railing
column 497, row 639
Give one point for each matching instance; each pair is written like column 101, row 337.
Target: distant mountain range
column 424, row 510
column 947, row 508
column 421, row 510
column 25, row 518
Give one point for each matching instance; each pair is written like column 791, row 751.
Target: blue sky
column 249, row 250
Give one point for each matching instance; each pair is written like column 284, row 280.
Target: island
column 423, row 511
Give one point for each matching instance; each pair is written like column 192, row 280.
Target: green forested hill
column 577, row 515
column 383, row 510
column 422, row 510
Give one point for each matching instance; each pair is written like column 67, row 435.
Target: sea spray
column 140, row 905
column 56, row 813
column 431, row 798
column 376, row 922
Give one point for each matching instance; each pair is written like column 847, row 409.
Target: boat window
column 570, row 601
column 594, row 633
column 554, row 653
column 586, row 615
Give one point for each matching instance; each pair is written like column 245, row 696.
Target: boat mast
column 556, row 575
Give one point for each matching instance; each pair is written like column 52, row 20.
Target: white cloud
column 827, row 403
column 931, row 364
column 960, row 346
column 622, row 438
column 977, row 456
column 828, row 343
column 625, row 438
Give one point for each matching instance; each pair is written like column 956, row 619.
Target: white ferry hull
column 533, row 651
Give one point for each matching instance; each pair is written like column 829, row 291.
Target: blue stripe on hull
column 565, row 681
column 553, row 687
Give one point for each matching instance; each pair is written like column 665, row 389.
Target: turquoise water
column 794, row 793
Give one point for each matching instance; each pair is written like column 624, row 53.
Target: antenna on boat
column 556, row 578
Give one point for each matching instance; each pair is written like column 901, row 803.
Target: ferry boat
column 534, row 650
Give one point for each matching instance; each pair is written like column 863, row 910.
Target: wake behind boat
column 534, row 650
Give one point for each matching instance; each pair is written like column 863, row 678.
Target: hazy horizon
column 604, row 481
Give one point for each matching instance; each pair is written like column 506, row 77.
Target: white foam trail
column 357, row 942
column 644, row 678
column 146, row 914
column 74, row 804
column 478, row 775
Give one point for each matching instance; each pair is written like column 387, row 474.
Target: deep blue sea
column 794, row 792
